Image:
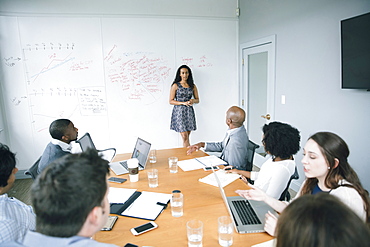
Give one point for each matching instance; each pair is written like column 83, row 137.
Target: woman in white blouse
column 281, row 141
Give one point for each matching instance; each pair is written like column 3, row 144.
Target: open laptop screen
column 141, row 151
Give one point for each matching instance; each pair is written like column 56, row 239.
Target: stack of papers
column 225, row 178
column 200, row 163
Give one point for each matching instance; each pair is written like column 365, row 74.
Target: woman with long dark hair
column 183, row 95
column 327, row 171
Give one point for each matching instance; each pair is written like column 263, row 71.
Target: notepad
column 200, row 163
column 225, row 178
column 131, row 203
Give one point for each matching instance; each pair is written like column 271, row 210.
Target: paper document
column 132, row 203
column 200, row 163
column 270, row 243
column 225, row 178
column 119, row 195
column 146, row 207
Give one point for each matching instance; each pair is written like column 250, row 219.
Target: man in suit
column 70, row 198
column 63, row 133
column 15, row 216
column 234, row 148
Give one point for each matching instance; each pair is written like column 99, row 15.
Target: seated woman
column 327, row 171
column 281, row 141
column 324, row 220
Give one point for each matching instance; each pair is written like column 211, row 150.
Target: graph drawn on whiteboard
column 138, row 76
column 62, row 81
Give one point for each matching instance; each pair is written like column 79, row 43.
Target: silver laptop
column 141, row 152
column 248, row 215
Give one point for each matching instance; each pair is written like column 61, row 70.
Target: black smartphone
column 117, row 180
column 131, row 245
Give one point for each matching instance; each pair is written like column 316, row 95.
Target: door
column 258, row 85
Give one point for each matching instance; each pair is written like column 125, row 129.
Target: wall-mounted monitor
column 355, row 52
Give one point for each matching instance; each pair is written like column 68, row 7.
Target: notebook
column 248, row 216
column 141, row 152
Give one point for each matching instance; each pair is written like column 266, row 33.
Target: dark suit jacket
column 51, row 153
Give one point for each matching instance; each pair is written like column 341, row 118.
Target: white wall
column 190, row 11
column 204, row 8
column 308, row 71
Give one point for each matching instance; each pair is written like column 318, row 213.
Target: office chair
column 251, row 150
column 285, row 196
column 32, row 171
column 86, row 142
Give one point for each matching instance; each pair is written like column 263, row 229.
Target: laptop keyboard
column 246, row 212
column 124, row 164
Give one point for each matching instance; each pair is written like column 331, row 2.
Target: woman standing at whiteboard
column 181, row 96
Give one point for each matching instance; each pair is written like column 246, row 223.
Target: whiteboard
column 112, row 77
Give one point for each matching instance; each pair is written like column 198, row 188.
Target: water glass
column 177, row 204
column 153, row 156
column 153, row 178
column 195, row 233
column 172, row 162
column 225, row 231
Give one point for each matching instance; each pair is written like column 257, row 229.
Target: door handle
column 266, row 117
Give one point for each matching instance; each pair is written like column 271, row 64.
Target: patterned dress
column 183, row 117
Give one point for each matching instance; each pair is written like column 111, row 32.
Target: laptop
column 141, row 152
column 248, row 216
column 86, row 142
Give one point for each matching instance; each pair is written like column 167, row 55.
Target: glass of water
column 153, row 178
column 172, row 163
column 225, row 231
column 153, row 156
column 195, row 233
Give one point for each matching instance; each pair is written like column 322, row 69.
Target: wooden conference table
column 201, row 201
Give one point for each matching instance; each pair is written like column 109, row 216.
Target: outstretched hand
column 253, row 193
column 192, row 148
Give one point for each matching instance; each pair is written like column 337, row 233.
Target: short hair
column 67, row 190
column 7, row 164
column 281, row 139
column 58, row 128
column 320, row 220
column 190, row 77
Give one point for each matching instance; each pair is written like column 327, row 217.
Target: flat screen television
column 355, row 51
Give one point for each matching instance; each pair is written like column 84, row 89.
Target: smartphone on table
column 117, row 180
column 110, row 223
column 144, row 228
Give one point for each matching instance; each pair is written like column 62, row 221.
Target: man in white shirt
column 63, row 133
column 15, row 216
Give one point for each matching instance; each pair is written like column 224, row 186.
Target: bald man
column 234, row 147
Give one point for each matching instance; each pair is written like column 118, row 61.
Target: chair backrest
column 285, row 196
column 32, row 171
column 86, row 142
column 251, row 150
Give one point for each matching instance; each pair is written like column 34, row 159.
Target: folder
column 131, row 203
column 200, row 163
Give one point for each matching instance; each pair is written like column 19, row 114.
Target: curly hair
column 281, row 139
